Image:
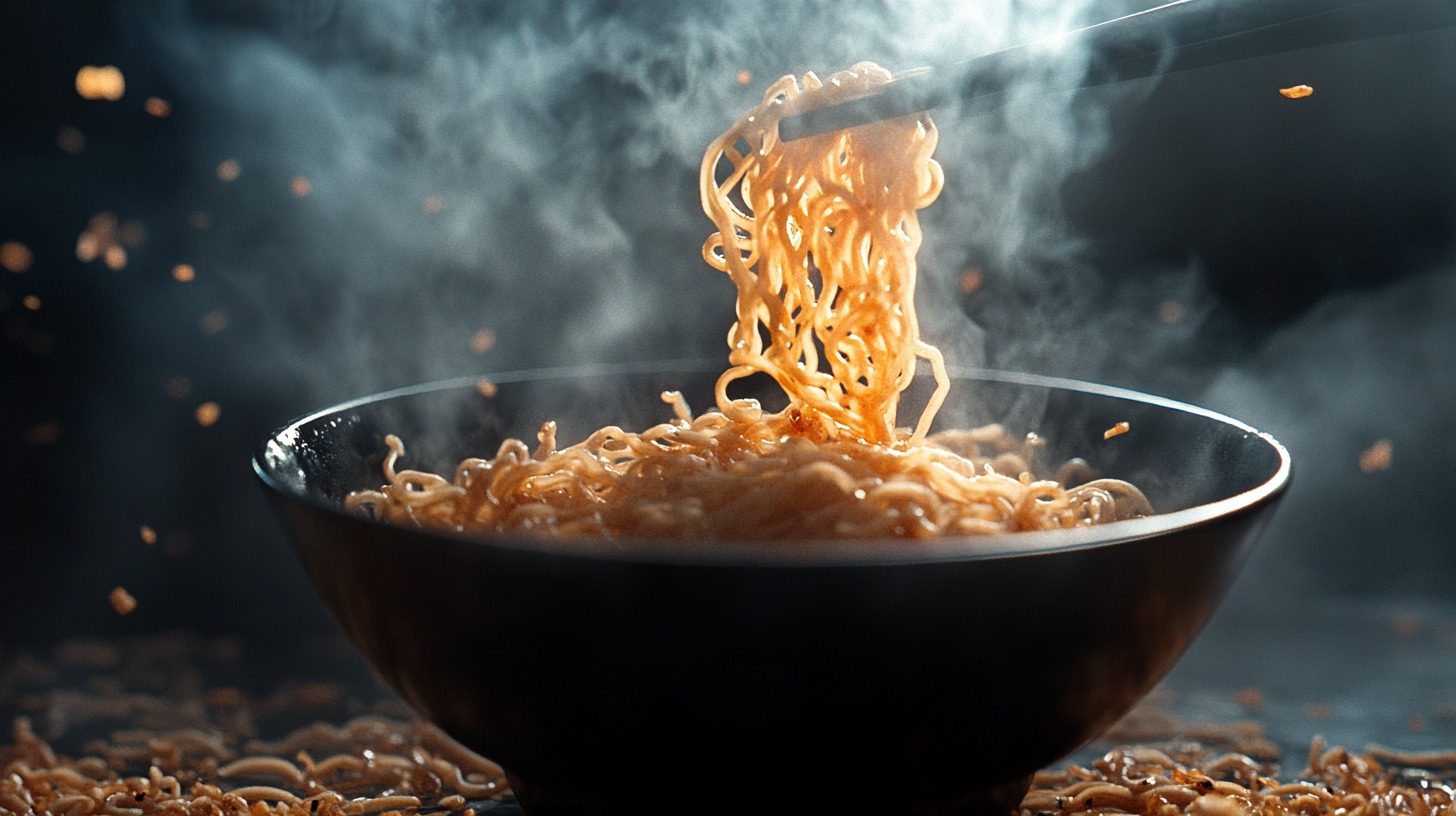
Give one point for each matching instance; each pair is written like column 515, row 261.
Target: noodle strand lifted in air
column 823, row 257
column 819, row 237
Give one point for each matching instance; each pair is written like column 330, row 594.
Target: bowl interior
column 1193, row 464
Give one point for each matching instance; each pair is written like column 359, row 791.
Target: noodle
column 375, row 765
column 36, row 779
column 263, row 766
column 843, row 206
column 1134, row 780
column 819, row 238
column 1143, row 781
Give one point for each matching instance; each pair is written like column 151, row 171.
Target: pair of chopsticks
column 1176, row 36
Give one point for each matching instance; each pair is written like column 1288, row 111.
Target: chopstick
column 1176, row 36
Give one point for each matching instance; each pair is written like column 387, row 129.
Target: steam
column 561, row 143
column 1362, row 369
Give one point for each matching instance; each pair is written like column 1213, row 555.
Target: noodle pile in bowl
column 819, row 237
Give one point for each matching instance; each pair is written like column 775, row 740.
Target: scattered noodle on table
column 179, row 745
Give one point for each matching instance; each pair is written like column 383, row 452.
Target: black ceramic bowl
column 688, row 678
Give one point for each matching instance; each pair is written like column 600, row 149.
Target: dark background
column 1306, row 243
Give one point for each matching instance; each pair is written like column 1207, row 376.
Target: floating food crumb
column 433, row 204
column 122, row 601
column 482, row 341
column 1296, row 91
column 214, row 322
column 1317, row 711
column 184, row 273
column 486, row 388
column 1250, row 698
column 31, row 302
column 114, row 257
column 100, row 82
column 1377, row 457
column 149, row 536
column 300, row 186
column 158, row 107
column 15, row 256
column 100, row 233
column 207, row 414
column 745, row 76
column 229, row 170
column 1170, row 312
column 1117, row 430
column 70, row 140
column 971, row 280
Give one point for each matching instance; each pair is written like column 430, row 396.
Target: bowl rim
column 815, row 553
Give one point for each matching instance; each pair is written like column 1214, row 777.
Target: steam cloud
column 562, row 141
column 1361, row 369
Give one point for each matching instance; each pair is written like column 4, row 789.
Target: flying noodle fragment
column 15, row 256
column 819, row 238
column 122, row 601
column 100, row 82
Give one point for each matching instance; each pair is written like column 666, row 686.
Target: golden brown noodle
column 819, row 237
column 122, row 601
column 823, row 256
column 1157, row 765
column 1144, row 780
column 430, row 771
column 1141, row 780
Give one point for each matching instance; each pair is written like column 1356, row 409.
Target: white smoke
column 561, row 142
column 1361, row 369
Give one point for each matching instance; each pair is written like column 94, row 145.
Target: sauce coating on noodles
column 822, row 252
column 819, row 238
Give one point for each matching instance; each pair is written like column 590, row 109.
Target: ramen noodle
column 1189, row 779
column 194, row 750
column 384, row 766
column 122, row 601
column 409, row 768
column 819, row 237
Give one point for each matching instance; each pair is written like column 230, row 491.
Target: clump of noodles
column 1148, row 781
column 822, row 252
column 819, row 237
column 370, row 765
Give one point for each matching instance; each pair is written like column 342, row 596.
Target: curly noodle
column 819, row 237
